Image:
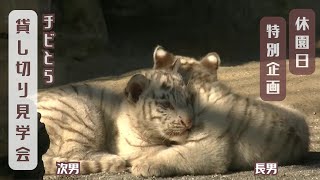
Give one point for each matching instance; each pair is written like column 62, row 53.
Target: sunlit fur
column 94, row 122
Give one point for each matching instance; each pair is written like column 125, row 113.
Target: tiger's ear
column 175, row 66
column 162, row 58
column 211, row 61
column 135, row 87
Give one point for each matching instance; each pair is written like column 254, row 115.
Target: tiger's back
column 79, row 120
column 263, row 132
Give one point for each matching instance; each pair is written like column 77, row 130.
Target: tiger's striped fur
column 230, row 132
column 260, row 131
column 85, row 120
column 192, row 156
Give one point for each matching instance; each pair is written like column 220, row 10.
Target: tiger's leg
column 205, row 157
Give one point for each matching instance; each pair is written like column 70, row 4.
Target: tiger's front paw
column 146, row 169
column 118, row 164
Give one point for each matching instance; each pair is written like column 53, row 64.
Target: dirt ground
column 302, row 93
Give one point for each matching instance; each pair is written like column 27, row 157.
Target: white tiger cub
column 102, row 123
column 198, row 154
column 253, row 130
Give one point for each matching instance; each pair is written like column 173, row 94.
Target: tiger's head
column 161, row 106
column 186, row 65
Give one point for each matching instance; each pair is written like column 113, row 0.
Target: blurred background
column 110, row 37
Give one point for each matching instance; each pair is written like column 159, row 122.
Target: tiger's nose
column 186, row 122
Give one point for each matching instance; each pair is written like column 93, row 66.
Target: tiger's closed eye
column 166, row 105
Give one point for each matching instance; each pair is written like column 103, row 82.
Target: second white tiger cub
column 250, row 130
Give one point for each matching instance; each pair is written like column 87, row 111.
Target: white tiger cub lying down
column 107, row 122
column 229, row 132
